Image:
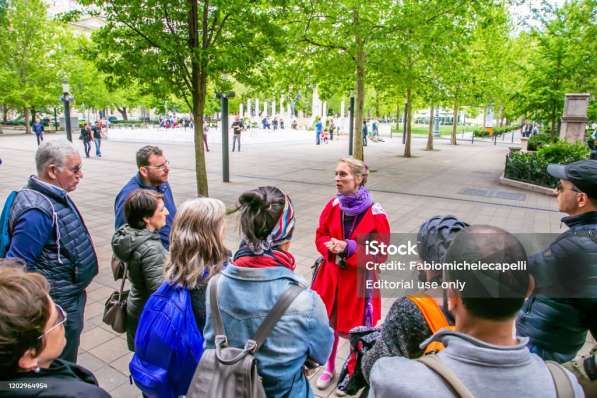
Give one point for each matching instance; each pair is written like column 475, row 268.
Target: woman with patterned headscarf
column 248, row 289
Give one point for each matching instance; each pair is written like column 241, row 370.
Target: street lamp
column 223, row 97
column 67, row 99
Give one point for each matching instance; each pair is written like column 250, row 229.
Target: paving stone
column 94, row 337
column 109, row 378
column 110, row 350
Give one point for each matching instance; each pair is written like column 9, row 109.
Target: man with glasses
column 48, row 233
column 564, row 303
column 153, row 174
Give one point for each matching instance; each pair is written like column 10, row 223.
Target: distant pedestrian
column 38, row 129
column 237, row 127
column 318, row 130
column 364, row 132
column 85, row 136
column 205, row 130
column 97, row 138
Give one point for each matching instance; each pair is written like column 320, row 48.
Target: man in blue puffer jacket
column 48, row 233
column 564, row 304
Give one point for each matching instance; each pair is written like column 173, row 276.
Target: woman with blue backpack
column 169, row 339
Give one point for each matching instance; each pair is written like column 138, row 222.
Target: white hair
column 53, row 152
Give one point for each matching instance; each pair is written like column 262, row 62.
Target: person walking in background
column 237, row 128
column 318, row 130
column 38, row 129
column 205, row 131
column 138, row 244
column 97, row 138
column 47, row 231
column 86, row 135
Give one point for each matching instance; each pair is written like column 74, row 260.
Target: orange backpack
column 434, row 316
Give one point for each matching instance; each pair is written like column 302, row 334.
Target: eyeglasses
column 161, row 166
column 560, row 188
column 59, row 321
column 76, row 169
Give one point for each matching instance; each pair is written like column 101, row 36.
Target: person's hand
column 336, row 246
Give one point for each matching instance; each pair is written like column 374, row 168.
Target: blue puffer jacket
column 564, row 305
column 68, row 259
column 168, row 344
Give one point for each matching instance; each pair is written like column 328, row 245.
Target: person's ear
column 143, row 171
column 52, row 172
column 454, row 300
column 358, row 180
column 29, row 360
column 531, row 286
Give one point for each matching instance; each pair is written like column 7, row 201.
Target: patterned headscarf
column 281, row 233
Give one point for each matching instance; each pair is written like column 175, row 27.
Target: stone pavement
column 461, row 180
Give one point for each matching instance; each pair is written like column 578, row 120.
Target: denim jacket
column 246, row 296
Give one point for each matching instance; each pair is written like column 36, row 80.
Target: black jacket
column 564, row 305
column 63, row 379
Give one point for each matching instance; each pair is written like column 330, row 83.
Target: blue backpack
column 168, row 344
column 4, row 227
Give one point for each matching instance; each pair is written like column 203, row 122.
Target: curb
column 526, row 186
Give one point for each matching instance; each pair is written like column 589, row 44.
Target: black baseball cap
column 583, row 174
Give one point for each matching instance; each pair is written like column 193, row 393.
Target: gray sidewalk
column 460, row 180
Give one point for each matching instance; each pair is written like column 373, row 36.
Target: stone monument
column 575, row 119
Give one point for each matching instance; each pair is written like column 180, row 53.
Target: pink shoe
column 325, row 380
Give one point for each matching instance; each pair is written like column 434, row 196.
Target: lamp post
column 223, row 97
column 67, row 99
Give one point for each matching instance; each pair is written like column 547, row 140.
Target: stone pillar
column 315, row 104
column 342, row 108
column 575, row 119
column 242, row 110
column 324, row 109
column 281, row 105
column 249, row 108
column 257, row 111
column 274, row 107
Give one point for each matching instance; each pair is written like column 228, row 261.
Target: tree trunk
column 5, row 113
column 409, row 119
column 430, row 132
column 360, row 88
column 398, row 117
column 454, row 123
column 27, row 116
column 123, row 112
column 199, row 91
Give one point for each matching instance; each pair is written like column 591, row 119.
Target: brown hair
column 260, row 209
column 140, row 204
column 196, row 243
column 144, row 153
column 24, row 313
column 358, row 168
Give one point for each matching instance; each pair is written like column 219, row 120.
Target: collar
column 580, row 219
column 466, row 348
column 262, row 274
column 44, row 187
column 140, row 182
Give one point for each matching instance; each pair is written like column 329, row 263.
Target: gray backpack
column 230, row 372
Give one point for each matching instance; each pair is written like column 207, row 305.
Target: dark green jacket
column 144, row 254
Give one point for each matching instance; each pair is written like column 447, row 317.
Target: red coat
column 339, row 288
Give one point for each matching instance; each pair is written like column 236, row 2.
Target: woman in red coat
column 345, row 223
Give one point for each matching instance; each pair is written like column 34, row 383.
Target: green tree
column 178, row 47
column 29, row 57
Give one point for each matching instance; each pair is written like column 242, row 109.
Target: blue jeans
column 87, row 145
column 98, row 143
column 73, row 328
column 317, row 137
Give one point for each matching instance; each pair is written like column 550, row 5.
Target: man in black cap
column 564, row 304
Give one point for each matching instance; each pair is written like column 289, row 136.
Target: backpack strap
column 433, row 362
column 275, row 314
column 215, row 308
column 560, row 379
column 434, row 317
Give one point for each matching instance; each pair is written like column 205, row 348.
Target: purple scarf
column 356, row 203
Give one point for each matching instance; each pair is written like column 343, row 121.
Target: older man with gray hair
column 48, row 233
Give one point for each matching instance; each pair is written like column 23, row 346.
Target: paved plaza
column 460, row 180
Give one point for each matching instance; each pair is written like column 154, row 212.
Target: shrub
column 531, row 167
column 537, row 141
